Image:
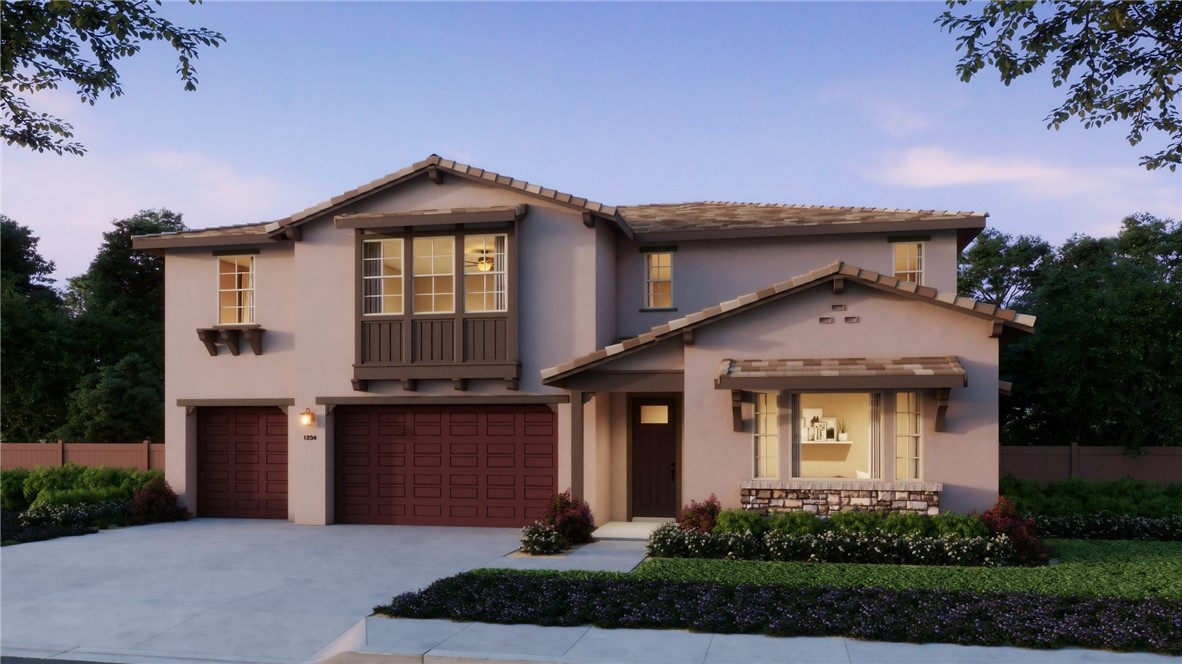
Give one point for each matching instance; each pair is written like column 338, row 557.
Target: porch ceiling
column 842, row 373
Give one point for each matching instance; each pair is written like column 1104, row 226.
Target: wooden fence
column 141, row 456
column 1055, row 463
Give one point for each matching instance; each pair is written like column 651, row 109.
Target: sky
column 834, row 103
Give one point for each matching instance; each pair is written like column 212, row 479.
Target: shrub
column 951, row 524
column 699, row 517
column 571, row 517
column 908, row 523
column 57, row 477
column 855, row 521
column 1126, row 497
column 541, row 539
column 741, row 521
column 1110, row 527
column 128, row 480
column 76, row 515
column 1003, row 519
column 12, row 490
column 796, row 523
column 156, row 502
column 59, row 497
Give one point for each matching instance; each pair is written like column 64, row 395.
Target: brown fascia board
column 966, row 229
column 479, row 399
column 837, row 382
column 174, row 242
column 506, row 213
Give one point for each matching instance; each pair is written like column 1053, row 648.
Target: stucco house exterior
column 447, row 345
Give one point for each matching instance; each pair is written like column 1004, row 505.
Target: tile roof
column 893, row 367
column 716, row 215
column 1012, row 319
column 246, row 233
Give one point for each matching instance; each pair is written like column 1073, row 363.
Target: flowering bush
column 156, row 501
column 1003, row 519
column 571, row 517
column 699, row 517
column 89, row 514
column 1026, row 620
column 670, row 541
column 541, row 539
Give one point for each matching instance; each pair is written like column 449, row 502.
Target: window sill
column 847, row 483
column 651, row 309
column 230, row 336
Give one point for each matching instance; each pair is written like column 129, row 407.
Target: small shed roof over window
column 842, row 373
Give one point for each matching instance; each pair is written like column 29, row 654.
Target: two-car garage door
column 490, row 465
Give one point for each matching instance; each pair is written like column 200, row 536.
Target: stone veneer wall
column 822, row 498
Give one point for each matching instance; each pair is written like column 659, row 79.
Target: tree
column 1120, row 60
column 1000, row 269
column 41, row 49
column 20, row 264
column 1103, row 366
column 118, row 403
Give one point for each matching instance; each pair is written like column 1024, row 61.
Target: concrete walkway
column 228, row 590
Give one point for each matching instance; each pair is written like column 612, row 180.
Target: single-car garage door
column 242, row 462
column 446, row 465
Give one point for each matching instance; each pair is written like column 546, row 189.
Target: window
column 767, row 435
column 235, row 290
column 658, row 280
column 434, row 261
column 907, row 436
column 381, row 276
column 484, row 273
column 909, row 261
column 820, row 451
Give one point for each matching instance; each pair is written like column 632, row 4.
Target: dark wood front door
column 654, row 456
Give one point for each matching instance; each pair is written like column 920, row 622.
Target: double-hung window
column 658, row 280
column 908, row 258
column 434, row 260
column 908, row 432
column 235, row 290
column 381, row 276
column 767, row 435
column 485, row 275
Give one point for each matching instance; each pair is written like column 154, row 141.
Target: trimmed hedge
column 799, row 522
column 670, row 541
column 1127, row 497
column 611, row 601
column 1110, row 527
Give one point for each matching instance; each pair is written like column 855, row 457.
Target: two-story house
column 446, row 345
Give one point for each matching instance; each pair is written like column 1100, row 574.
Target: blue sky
column 808, row 103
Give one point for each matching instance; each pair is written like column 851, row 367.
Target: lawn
column 1117, row 595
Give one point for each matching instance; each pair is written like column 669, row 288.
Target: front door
column 654, row 456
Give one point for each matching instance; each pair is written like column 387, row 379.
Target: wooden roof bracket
column 942, row 397
column 838, row 285
column 996, row 329
column 360, row 385
column 588, row 219
column 293, row 233
column 687, row 337
column 737, row 410
column 435, row 174
column 209, row 337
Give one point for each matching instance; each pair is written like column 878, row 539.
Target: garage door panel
column 242, row 462
column 481, row 453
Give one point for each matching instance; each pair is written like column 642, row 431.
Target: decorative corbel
column 293, row 233
column 410, row 384
column 838, row 285
column 737, row 410
column 230, row 337
column 687, row 337
column 360, row 385
column 435, row 174
column 511, row 384
column 588, row 219
column 943, row 394
column 209, row 337
column 254, row 337
column 459, row 384
column 996, row 328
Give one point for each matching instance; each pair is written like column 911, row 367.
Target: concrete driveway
column 229, row 589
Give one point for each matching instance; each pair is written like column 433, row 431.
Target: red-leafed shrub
column 699, row 517
column 1003, row 519
column 156, row 501
column 571, row 517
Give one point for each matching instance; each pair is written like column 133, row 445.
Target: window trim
column 239, row 307
column 456, row 256
column 757, row 435
column 381, row 278
column 877, row 443
column 917, row 437
column 649, row 302
column 503, row 272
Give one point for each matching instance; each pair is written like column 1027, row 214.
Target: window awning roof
column 842, row 373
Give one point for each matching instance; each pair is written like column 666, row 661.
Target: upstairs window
column 381, row 276
column 658, row 280
column 767, row 435
column 434, row 260
column 485, row 274
column 908, row 261
column 235, row 290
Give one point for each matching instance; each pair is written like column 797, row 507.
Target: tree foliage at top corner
column 45, row 44
column 1119, row 60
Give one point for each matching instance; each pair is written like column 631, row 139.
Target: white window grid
column 766, row 435
column 434, row 274
column 236, row 290
column 485, row 291
column 909, row 261
column 381, row 276
column 908, row 435
column 658, row 280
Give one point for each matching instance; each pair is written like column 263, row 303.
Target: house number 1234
column 309, row 436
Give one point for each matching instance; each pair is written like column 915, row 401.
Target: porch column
column 576, row 444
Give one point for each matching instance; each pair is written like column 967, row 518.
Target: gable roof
column 837, row 270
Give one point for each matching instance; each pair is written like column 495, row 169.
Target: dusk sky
column 806, row 103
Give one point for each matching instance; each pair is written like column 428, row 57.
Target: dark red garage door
column 445, row 465
column 242, row 462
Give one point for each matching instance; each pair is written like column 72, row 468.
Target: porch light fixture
column 307, row 418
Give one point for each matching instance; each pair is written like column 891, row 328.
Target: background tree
column 38, row 366
column 1104, row 366
column 1120, row 60
column 42, row 48
column 1000, row 269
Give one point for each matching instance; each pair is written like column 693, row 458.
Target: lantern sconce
column 307, row 418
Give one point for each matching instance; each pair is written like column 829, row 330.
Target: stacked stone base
column 824, row 498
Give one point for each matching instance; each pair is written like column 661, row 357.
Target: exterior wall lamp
column 307, row 418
